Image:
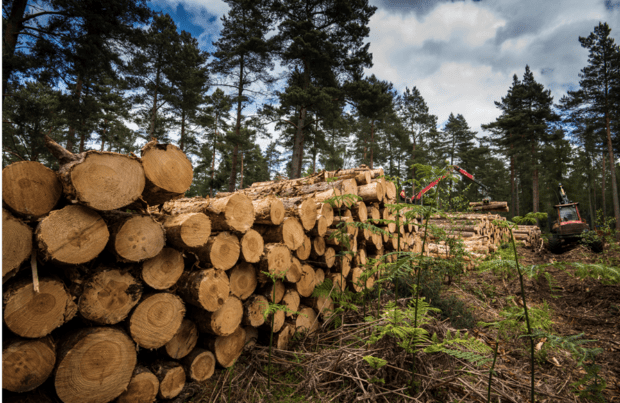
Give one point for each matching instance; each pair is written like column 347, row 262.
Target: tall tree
column 243, row 55
column 600, row 82
column 323, row 42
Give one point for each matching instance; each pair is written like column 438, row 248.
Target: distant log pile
column 135, row 291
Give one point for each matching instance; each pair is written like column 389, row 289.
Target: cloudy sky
column 461, row 55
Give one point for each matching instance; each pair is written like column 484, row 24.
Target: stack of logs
column 117, row 287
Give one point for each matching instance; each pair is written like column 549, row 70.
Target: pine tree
column 243, row 55
column 322, row 41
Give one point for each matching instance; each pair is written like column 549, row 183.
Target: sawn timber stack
column 168, row 288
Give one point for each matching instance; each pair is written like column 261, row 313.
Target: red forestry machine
column 417, row 199
column 569, row 226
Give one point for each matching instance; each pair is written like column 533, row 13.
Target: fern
column 465, row 347
column 375, row 362
column 606, row 274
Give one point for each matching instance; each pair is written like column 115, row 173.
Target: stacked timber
column 118, row 287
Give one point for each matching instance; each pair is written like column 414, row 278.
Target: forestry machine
column 568, row 226
column 417, row 199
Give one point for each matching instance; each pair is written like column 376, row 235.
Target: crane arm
column 461, row 171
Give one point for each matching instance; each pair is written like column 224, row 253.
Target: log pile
column 117, row 287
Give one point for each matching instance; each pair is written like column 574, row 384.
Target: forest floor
column 329, row 366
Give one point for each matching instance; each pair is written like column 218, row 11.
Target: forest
column 112, row 75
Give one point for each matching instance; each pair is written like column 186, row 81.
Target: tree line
column 111, row 75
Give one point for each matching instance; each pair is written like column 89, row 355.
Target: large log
column 221, row 251
column 26, row 364
column 222, row 322
column 199, row 365
column 268, row 210
column 293, row 274
column 205, row 289
column 164, row 270
column 373, row 192
column 35, row 314
column 167, row 170
column 16, row 244
column 100, row 180
column 344, row 184
column 306, row 320
column 318, row 247
column 142, row 388
column 243, row 280
column 320, row 229
column 108, row 295
column 183, row 341
column 233, row 213
column 228, row 348
column 305, row 285
column 290, row 232
column 187, row 231
column 72, row 235
column 156, row 320
column 171, row 376
column 135, row 237
column 97, row 363
column 276, row 259
column 252, row 246
column 30, row 189
column 303, row 252
column 254, row 310
column 302, row 207
column 325, row 210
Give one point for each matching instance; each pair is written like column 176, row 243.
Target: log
column 306, row 320
column 254, row 310
column 228, row 348
column 108, row 295
column 363, row 178
column 164, row 270
column 100, row 180
column 205, row 289
column 221, row 251
column 26, row 364
column 318, row 247
column 156, row 320
column 282, row 338
column 373, row 192
column 34, row 315
column 339, row 281
column 267, row 291
column 16, row 244
column 222, row 322
column 171, row 376
column 187, row 231
column 30, row 189
column 167, row 170
column 291, row 233
column 326, row 195
column 360, row 212
column 390, row 191
column 305, row 285
column 323, row 305
column 303, row 252
column 344, row 264
column 232, row 213
column 72, row 235
column 357, row 283
column 360, row 257
column 199, row 365
column 243, row 280
column 291, row 301
column 325, row 210
column 317, row 188
column 319, row 277
column 135, row 237
column 268, row 211
column 302, row 208
column 276, row 259
column 97, row 362
column 183, row 341
column 278, row 318
column 320, row 228
column 252, row 246
column 142, row 388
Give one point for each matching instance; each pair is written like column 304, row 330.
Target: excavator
column 417, row 199
column 569, row 226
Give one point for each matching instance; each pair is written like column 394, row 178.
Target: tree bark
column 614, row 183
column 233, row 171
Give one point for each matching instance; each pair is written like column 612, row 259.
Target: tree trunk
column 372, row 141
column 603, row 186
column 614, row 183
column 183, row 341
column 241, row 179
column 156, row 320
column 72, row 235
column 16, row 244
column 171, row 377
column 164, row 270
column 11, row 33
column 108, row 295
column 217, row 117
column 143, row 387
column 26, row 364
column 205, row 289
column 182, row 139
column 154, row 110
column 167, row 170
column 199, row 365
column 233, row 171
column 243, row 280
column 77, row 94
column 512, row 182
column 97, row 362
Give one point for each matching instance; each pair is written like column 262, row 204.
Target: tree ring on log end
column 139, row 238
column 227, row 319
column 225, row 251
column 252, row 246
column 30, row 188
column 26, row 364
column 156, row 320
column 168, row 168
column 243, row 280
column 164, row 270
column 239, row 212
column 229, row 348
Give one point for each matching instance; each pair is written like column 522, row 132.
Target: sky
column 461, row 55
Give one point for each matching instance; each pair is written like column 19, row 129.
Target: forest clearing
column 322, row 287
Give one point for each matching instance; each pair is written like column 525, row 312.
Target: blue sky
column 461, row 55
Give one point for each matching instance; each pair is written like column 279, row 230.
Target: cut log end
column 199, row 364
column 223, row 250
column 142, row 388
column 156, row 320
column 30, row 189
column 16, row 244
column 183, row 341
column 138, row 238
column 254, row 310
column 206, row 289
column 243, row 280
column 233, row 213
column 168, row 171
column 164, row 270
column 186, row 231
column 252, row 246
column 276, row 260
column 228, row 348
column 26, row 364
column 171, row 377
